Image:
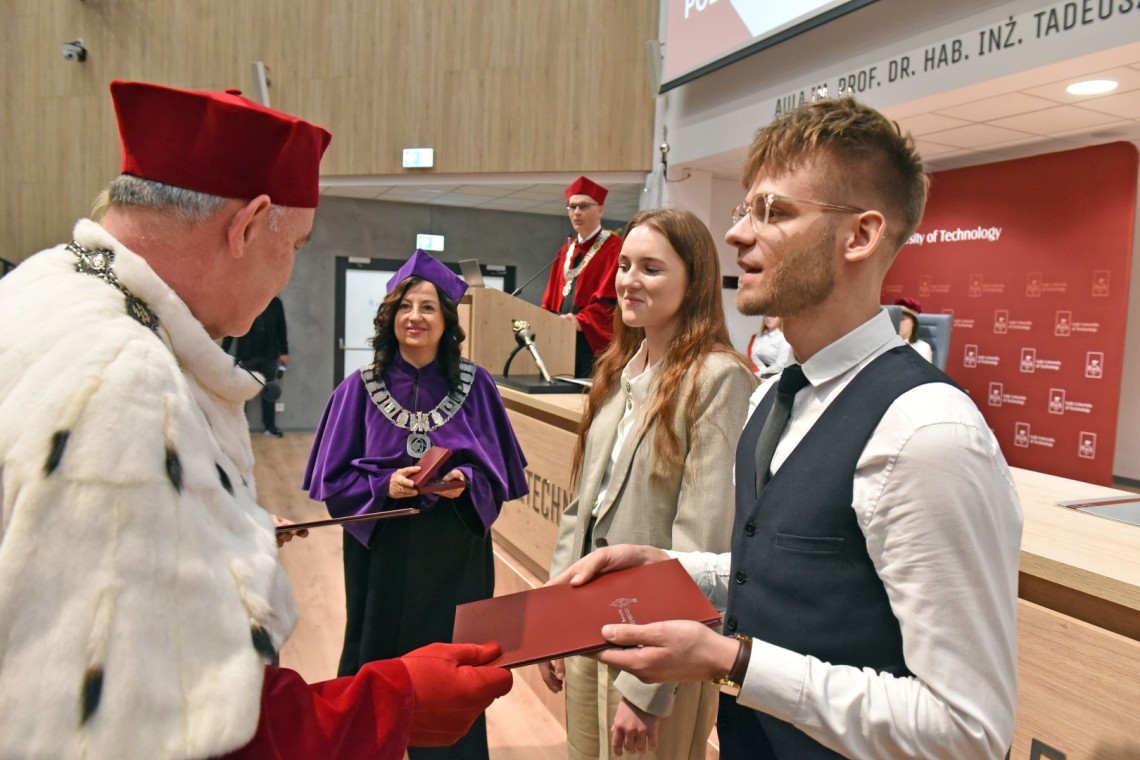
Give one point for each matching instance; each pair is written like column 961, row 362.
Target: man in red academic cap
column 142, row 601
column 581, row 284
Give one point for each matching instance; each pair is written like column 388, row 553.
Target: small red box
column 425, row 481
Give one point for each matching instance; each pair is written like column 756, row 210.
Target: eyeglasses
column 762, row 217
column 572, row 207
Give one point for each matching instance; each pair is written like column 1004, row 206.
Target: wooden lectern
column 486, row 315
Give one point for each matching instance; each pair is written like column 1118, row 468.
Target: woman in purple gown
column 404, row 577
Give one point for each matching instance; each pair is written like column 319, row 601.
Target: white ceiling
column 1020, row 115
column 528, row 193
column 1024, row 114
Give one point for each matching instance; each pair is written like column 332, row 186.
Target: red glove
column 453, row 687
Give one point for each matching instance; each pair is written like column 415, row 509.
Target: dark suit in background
column 263, row 349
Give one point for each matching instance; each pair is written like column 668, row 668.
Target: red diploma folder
column 557, row 621
column 425, row 481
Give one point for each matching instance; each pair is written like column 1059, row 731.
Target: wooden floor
column 519, row 726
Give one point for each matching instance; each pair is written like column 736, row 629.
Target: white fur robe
column 140, row 588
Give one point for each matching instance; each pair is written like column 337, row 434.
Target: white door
column 364, row 289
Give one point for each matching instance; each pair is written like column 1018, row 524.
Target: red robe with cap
column 594, row 293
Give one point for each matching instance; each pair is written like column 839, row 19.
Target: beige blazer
column 690, row 508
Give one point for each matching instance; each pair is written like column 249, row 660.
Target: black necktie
column 791, row 381
column 579, row 253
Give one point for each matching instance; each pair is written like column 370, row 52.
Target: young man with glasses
column 581, row 283
column 871, row 590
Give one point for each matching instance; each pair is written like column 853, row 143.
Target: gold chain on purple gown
column 419, row 424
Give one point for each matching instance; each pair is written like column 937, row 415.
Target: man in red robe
column 581, row 284
column 142, row 599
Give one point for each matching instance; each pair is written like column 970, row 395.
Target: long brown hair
column 700, row 331
column 384, row 342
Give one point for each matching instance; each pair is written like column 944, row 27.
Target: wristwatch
column 731, row 682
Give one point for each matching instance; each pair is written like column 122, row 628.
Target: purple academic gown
column 404, row 577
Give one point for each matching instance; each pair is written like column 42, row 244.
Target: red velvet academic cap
column 910, row 306
column 584, row 186
column 218, row 143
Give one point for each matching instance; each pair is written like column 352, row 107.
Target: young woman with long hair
column 768, row 350
column 653, row 465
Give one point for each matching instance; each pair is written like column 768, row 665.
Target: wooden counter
column 1081, row 564
column 1078, row 617
column 563, row 410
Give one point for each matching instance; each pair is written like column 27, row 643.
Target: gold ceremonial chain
column 419, row 424
column 572, row 274
column 98, row 263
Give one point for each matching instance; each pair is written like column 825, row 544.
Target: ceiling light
column 1091, row 87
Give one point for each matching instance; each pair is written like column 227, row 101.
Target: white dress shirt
column 937, row 505
column 636, row 379
column 769, row 353
column 584, row 239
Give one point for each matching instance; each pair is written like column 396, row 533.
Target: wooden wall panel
column 1077, row 688
column 528, row 527
column 495, row 86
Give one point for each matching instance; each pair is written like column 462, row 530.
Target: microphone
column 533, row 277
column 524, row 336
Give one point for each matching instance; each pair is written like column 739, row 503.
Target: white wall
column 1127, row 461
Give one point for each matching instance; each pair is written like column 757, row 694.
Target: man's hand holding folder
column 560, row 620
column 658, row 652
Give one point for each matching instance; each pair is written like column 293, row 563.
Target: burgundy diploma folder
column 425, row 481
column 556, row 621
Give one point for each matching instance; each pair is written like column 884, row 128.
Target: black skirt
column 402, row 591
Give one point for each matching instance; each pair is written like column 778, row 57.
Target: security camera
column 74, row 51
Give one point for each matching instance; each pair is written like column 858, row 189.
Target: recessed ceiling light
column 1091, row 87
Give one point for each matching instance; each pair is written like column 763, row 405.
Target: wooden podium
column 486, row 315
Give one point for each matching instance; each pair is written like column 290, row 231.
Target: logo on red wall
column 1033, row 284
column 975, row 288
column 924, row 286
column 1056, row 401
column 971, row 358
column 1021, row 434
column 1001, row 321
column 1100, row 283
column 1063, row 324
column 995, row 394
column 1028, row 360
column 1094, row 364
column 1086, row 447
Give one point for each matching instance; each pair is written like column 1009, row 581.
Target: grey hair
column 189, row 206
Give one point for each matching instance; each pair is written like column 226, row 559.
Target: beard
column 802, row 277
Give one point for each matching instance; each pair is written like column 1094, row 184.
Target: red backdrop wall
column 1033, row 257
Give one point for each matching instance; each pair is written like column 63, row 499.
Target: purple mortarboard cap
column 424, row 265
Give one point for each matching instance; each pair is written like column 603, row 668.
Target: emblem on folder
column 624, row 612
